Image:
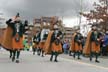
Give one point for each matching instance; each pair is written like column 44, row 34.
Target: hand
column 103, row 45
column 102, row 40
column 79, row 40
column 98, row 39
column 58, row 37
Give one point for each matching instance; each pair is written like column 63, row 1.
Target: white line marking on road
column 92, row 65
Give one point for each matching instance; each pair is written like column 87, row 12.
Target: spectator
column 65, row 47
column 105, row 44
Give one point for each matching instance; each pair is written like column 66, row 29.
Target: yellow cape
column 7, row 38
column 72, row 47
column 47, row 45
column 86, row 49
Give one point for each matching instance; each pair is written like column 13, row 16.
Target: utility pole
column 80, row 17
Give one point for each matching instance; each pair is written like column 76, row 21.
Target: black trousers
column 92, row 54
column 54, row 54
column 16, row 53
column 78, row 53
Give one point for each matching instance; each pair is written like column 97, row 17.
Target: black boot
column 90, row 59
column 78, row 55
column 17, row 61
column 70, row 53
column 55, row 60
column 51, row 57
column 33, row 53
column 38, row 52
column 74, row 55
column 34, row 50
column 97, row 61
column 13, row 59
column 14, row 54
column 96, row 54
column 10, row 54
column 18, row 54
column 42, row 53
column 91, row 55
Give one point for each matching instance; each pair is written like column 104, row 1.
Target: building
column 68, row 33
column 36, row 25
column 29, row 33
column 46, row 22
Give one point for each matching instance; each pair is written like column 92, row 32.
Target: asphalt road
column 34, row 63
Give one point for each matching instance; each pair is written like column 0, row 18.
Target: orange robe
column 90, row 46
column 35, row 45
column 17, row 45
column 7, row 38
column 41, row 45
column 49, row 47
column 8, row 41
column 77, row 47
column 72, row 47
column 56, row 48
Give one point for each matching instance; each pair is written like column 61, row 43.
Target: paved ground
column 34, row 63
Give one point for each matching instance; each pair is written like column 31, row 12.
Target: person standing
column 13, row 40
column 36, row 40
column 43, row 37
column 78, row 44
column 53, row 43
column 92, row 46
column 65, row 47
column 105, row 44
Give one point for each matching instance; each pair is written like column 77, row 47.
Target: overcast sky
column 30, row 9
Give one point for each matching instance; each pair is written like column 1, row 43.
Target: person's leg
column 70, row 53
column 14, row 54
column 34, row 50
column 38, row 51
column 52, row 53
column 10, row 53
column 56, row 55
column 42, row 53
column 105, row 50
column 97, row 55
column 18, row 54
column 78, row 53
column 64, row 50
column 91, row 55
column 74, row 54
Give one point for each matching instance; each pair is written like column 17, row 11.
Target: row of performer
column 50, row 41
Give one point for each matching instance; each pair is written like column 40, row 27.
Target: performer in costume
column 43, row 37
column 53, row 43
column 77, row 44
column 92, row 46
column 36, row 40
column 17, row 29
column 36, row 35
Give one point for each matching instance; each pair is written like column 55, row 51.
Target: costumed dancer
column 53, row 43
column 92, row 45
column 43, row 37
column 13, row 39
column 36, row 40
column 76, row 46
